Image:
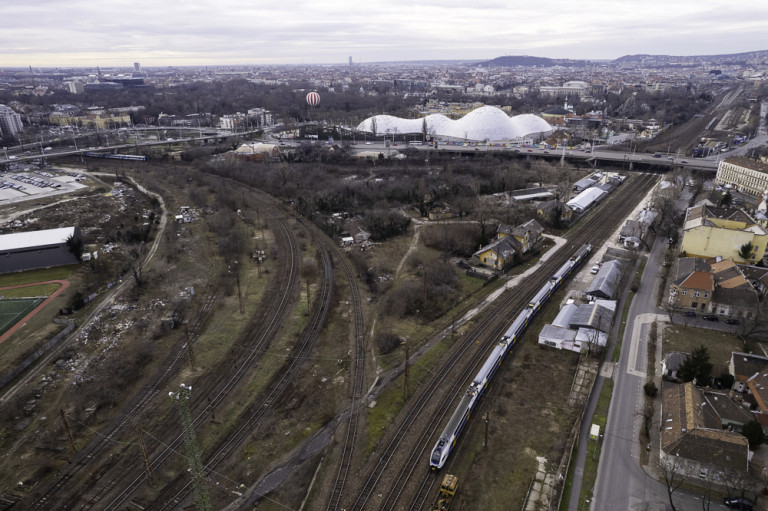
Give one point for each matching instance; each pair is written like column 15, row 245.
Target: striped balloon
column 313, row 99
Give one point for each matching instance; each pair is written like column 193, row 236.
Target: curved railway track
column 174, row 494
column 256, row 341
column 410, row 438
column 264, row 327
column 358, row 383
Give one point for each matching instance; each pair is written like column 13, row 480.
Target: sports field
column 13, row 310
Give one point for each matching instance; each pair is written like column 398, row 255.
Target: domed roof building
column 487, row 123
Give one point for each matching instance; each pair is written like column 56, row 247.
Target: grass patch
column 390, row 402
column 30, row 291
column 687, row 338
column 32, row 276
column 624, row 314
column 593, row 448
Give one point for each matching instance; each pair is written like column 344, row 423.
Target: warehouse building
column 37, row 249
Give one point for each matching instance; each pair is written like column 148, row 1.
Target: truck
column 448, row 489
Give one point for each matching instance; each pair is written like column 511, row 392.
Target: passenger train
column 458, row 420
column 112, row 156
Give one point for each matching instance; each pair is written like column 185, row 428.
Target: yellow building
column 710, row 232
column 98, row 121
column 747, row 175
column 527, row 234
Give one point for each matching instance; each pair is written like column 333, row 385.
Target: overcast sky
column 72, row 33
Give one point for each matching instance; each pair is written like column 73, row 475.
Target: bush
column 387, row 342
column 650, row 389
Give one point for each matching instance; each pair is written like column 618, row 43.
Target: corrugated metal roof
column 585, row 198
column 556, row 333
column 33, row 239
column 563, row 319
column 605, row 282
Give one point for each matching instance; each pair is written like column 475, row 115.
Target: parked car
column 689, row 314
column 595, row 268
column 710, row 317
column 738, row 503
column 732, row 321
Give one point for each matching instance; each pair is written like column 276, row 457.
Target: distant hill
column 640, row 59
column 730, row 58
column 527, row 61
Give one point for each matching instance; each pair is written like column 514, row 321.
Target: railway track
column 264, row 328
column 110, row 474
column 403, row 456
column 173, row 495
column 358, row 383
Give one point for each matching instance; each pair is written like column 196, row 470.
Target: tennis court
column 12, row 310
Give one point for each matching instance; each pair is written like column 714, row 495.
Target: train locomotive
column 459, row 419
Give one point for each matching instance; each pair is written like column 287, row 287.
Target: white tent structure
column 487, row 123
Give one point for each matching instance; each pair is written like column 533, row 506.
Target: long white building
column 747, row 175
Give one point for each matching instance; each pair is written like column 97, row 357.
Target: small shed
column 594, row 432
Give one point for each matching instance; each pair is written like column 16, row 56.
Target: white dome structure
column 486, row 123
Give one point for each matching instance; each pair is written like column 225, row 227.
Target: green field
column 13, row 309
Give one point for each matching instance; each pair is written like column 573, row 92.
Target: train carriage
column 458, row 420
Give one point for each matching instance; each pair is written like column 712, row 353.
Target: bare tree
column 739, row 484
column 309, row 274
column 674, row 476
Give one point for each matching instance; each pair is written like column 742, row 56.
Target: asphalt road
column 621, row 482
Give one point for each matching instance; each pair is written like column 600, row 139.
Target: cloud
column 55, row 33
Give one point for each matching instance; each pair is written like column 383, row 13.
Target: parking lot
column 33, row 182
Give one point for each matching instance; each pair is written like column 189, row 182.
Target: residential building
column 550, row 210
column 693, row 440
column 527, row 234
column 498, row 254
column 694, row 290
column 233, row 121
column 747, row 175
column 717, row 286
column 76, row 87
column 709, row 231
column 10, row 121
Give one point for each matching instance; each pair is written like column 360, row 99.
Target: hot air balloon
column 313, row 98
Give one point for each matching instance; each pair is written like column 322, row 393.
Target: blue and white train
column 117, row 156
column 459, row 419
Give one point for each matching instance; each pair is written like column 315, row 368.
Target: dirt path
column 113, row 293
column 64, row 284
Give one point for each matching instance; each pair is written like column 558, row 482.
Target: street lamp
column 5, row 149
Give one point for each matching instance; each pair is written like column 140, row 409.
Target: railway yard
column 269, row 321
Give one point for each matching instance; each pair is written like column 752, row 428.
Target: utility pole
column 487, row 420
column 181, row 400
column 70, row 440
column 145, row 455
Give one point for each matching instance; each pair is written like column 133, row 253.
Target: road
column 621, row 482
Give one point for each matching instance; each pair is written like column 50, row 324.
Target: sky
column 87, row 33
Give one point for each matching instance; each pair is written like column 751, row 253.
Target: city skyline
column 45, row 33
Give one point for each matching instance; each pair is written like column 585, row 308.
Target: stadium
column 486, row 124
